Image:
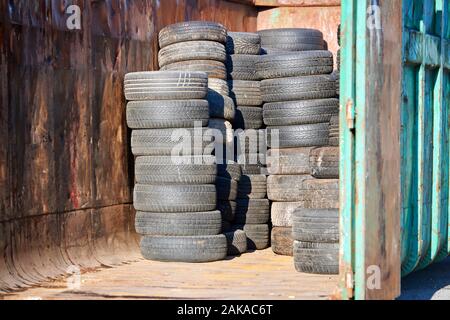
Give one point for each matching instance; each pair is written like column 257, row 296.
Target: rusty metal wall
column 65, row 165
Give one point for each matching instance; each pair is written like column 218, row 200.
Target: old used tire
column 159, row 141
column 316, row 258
column 214, row 69
column 315, row 225
column 289, row 161
column 165, row 85
column 281, row 212
column 227, row 209
column 250, row 141
column 300, row 112
column 292, row 39
column 174, row 198
column 219, row 86
column 220, row 106
column 191, row 50
column 229, row 170
column 298, row 88
column 184, row 249
column 252, row 187
column 245, row 93
column 325, row 163
column 322, row 193
column 252, row 211
column 242, row 67
column 157, row 114
column 273, row 51
column 334, row 131
column 226, row 188
column 178, row 223
column 179, row 170
column 243, row 43
column 225, row 130
column 237, row 242
column 295, row 64
column 248, row 118
column 258, row 235
column 192, row 31
column 281, row 241
column 307, row 135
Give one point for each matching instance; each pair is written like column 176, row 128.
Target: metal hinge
column 350, row 114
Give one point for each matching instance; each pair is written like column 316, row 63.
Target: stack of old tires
column 334, row 122
column 252, row 213
column 174, row 195
column 300, row 99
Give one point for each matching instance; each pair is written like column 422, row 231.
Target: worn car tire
column 245, row 93
column 226, row 189
column 159, row 142
column 300, row 112
column 292, row 39
column 252, row 186
column 258, row 235
column 307, row 135
column 184, row 249
column 252, row 211
column 242, row 67
column 178, row 170
column 214, row 69
column 334, row 131
column 243, row 43
column 248, row 118
column 155, row 114
column 281, row 241
column 316, row 225
column 225, row 130
column 298, row 88
column 229, row 170
column 219, row 86
column 191, row 50
column 316, row 258
column 192, row 31
column 323, row 193
column 324, row 163
column 281, row 212
column 178, row 223
column 227, row 209
column 305, row 63
column 174, row 198
column 220, row 106
column 165, row 85
column 289, row 161
column 237, row 242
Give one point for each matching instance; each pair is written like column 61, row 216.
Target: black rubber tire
column 243, row 43
column 237, row 242
column 316, row 258
column 298, row 88
column 324, row 163
column 252, row 187
column 226, row 226
column 315, row 225
column 245, row 93
column 321, row 193
column 219, row 86
column 289, row 161
column 281, row 212
column 227, row 209
column 225, row 130
column 273, row 51
column 174, row 198
column 221, row 106
column 229, row 170
column 252, row 211
column 192, row 31
column 292, row 39
column 300, row 112
column 177, row 170
column 242, row 67
column 214, row 69
column 281, row 241
column 258, row 235
column 192, row 50
column 167, row 114
column 184, row 249
column 248, row 118
column 158, row 142
column 226, row 189
column 334, row 131
column 250, row 141
column 306, row 135
column 338, row 60
column 165, row 85
column 339, row 35
column 178, row 223
column 305, row 63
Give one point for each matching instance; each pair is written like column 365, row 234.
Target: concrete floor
column 259, row 275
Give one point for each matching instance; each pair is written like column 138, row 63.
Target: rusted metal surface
column 259, row 275
column 65, row 165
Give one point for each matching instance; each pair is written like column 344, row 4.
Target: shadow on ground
column 432, row 283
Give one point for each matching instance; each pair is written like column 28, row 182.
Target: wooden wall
column 66, row 171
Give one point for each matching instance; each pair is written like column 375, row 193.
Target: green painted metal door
column 394, row 188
